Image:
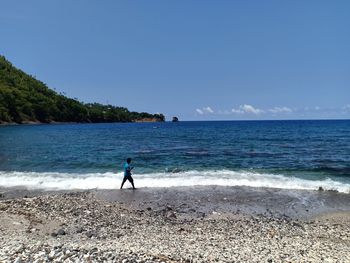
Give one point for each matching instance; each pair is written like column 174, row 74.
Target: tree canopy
column 24, row 99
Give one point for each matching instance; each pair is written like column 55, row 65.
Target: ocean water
column 282, row 154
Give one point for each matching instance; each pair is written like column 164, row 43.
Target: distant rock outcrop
column 175, row 119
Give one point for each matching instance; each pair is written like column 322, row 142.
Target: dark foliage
column 24, row 99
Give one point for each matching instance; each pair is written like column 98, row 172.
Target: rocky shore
column 145, row 226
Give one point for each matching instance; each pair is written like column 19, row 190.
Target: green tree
column 24, row 98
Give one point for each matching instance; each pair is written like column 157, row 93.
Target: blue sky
column 199, row 60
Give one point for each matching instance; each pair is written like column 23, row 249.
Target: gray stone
column 91, row 234
column 61, row 232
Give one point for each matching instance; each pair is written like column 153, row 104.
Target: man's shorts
column 129, row 178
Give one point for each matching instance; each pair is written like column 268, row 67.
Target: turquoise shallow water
column 294, row 154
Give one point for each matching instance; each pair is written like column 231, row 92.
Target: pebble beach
column 198, row 224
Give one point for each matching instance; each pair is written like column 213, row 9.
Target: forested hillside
column 25, row 99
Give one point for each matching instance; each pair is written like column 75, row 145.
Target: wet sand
column 274, row 202
column 236, row 199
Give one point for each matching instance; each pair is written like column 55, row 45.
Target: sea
column 300, row 154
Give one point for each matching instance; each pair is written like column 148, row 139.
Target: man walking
column 127, row 174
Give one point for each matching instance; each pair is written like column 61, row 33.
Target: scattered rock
column 200, row 214
column 90, row 234
column 61, row 232
column 139, row 237
column 171, row 215
column 52, row 254
column 333, row 191
column 118, row 235
column 298, row 225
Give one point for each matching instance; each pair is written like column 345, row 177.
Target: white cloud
column 208, row 109
column 280, row 110
column 199, row 111
column 250, row 109
column 205, row 110
column 238, row 111
column 247, row 109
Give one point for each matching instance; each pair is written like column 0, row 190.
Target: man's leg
column 124, row 180
column 131, row 180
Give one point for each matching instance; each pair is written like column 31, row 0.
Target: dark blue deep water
column 301, row 154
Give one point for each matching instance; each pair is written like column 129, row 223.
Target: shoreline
column 241, row 120
column 180, row 224
column 35, row 123
column 273, row 202
column 247, row 200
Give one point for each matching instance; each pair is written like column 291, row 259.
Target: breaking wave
column 109, row 180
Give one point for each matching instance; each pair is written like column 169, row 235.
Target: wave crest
column 69, row 181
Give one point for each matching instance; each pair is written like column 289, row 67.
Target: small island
column 175, row 119
column 24, row 99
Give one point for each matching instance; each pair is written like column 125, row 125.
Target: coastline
column 146, row 120
column 197, row 224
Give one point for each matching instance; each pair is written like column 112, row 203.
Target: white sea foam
column 33, row 180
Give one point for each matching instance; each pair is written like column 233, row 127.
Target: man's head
column 128, row 160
